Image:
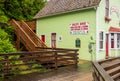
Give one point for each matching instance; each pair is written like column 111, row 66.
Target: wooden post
column 6, row 72
column 56, row 61
column 76, row 60
column 18, row 40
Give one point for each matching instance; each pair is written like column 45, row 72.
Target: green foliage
column 22, row 9
column 19, row 10
column 5, row 44
column 3, row 35
column 10, row 32
column 6, row 47
column 3, row 17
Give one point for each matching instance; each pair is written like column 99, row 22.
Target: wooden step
column 116, row 76
column 114, row 71
column 111, row 65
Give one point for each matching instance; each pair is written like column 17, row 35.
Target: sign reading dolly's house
column 79, row 28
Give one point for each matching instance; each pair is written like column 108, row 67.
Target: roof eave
column 66, row 12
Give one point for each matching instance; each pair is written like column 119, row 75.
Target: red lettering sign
column 79, row 28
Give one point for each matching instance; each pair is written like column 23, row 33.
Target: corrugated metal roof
column 54, row 7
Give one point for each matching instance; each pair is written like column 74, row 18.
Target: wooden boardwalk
column 83, row 73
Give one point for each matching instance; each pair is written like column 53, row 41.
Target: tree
column 22, row 9
column 19, row 10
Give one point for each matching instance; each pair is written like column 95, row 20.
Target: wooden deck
column 82, row 73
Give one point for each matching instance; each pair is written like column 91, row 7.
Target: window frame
column 115, row 41
column 118, row 41
column 103, row 40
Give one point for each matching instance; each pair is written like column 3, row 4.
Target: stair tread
column 113, row 70
column 116, row 75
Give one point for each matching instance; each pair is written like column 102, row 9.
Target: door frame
column 55, row 40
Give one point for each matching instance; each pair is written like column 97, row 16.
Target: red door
column 53, row 40
column 43, row 38
column 107, row 45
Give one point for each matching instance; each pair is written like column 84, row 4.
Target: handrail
column 34, row 35
column 49, row 48
column 100, row 73
column 25, row 34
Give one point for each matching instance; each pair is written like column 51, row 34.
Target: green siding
column 106, row 25
column 61, row 25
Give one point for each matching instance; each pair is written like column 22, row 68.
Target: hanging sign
column 79, row 28
column 114, row 9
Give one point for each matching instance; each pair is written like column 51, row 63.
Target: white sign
column 79, row 28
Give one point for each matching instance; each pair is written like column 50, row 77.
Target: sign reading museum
column 79, row 28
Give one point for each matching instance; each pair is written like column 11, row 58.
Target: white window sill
column 101, row 50
column 114, row 48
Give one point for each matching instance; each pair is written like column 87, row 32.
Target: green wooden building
column 92, row 26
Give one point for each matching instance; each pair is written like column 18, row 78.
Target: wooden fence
column 107, row 70
column 12, row 63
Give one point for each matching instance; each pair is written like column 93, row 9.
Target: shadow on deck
column 82, row 73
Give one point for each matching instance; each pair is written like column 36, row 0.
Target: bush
column 5, row 44
column 6, row 47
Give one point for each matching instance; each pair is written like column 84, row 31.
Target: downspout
column 97, row 34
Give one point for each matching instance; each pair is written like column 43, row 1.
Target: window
column 115, row 40
column 112, row 40
column 118, row 40
column 77, row 42
column 101, row 40
column 107, row 11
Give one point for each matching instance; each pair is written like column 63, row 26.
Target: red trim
column 107, row 48
column 114, row 29
column 107, row 45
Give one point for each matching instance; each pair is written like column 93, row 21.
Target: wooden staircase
column 25, row 35
column 107, row 70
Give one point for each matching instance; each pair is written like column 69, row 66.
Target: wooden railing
column 107, row 70
column 27, row 36
column 23, row 36
column 32, row 35
column 12, row 63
